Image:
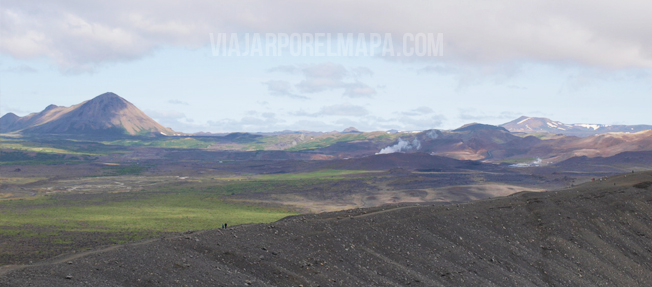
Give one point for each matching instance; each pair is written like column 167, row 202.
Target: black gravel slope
column 597, row 234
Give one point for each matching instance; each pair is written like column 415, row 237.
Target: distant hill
column 604, row 145
column 106, row 114
column 351, row 130
column 622, row 162
column 469, row 142
column 543, row 125
column 493, row 143
column 8, row 121
column 478, row 127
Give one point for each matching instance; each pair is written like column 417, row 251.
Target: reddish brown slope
column 604, row 145
column 11, row 122
column 105, row 114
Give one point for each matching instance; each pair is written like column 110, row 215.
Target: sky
column 471, row 61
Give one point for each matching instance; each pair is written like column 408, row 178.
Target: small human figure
column 225, row 225
column 222, row 225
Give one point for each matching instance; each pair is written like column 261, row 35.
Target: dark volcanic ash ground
column 596, row 234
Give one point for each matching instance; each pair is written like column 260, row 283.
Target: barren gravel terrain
column 595, row 234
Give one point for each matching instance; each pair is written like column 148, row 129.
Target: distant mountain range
column 492, row 143
column 106, row 114
column 524, row 139
column 543, row 125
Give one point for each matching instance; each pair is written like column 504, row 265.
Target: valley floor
column 592, row 234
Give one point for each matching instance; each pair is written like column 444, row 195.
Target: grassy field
column 55, row 145
column 164, row 142
column 170, row 208
column 20, row 180
column 35, row 148
column 46, row 226
column 117, row 170
column 236, row 141
column 327, row 141
column 166, row 212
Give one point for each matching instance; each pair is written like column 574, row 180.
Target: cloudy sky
column 573, row 61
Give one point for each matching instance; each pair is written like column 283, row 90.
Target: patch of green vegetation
column 20, row 180
column 14, row 156
column 240, row 138
column 187, row 142
column 385, row 137
column 257, row 147
column 181, row 143
column 23, row 158
column 58, row 145
column 163, row 212
column 36, row 148
column 327, row 141
column 272, row 141
column 47, row 162
column 115, row 170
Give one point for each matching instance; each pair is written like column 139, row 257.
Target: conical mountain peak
column 107, row 113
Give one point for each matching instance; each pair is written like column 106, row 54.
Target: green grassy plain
column 169, row 208
column 146, row 212
column 164, row 142
column 41, row 226
column 46, row 226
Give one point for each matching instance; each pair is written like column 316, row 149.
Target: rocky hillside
column 543, row 125
column 491, row 143
column 470, row 142
column 595, row 234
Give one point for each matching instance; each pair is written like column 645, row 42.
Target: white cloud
column 327, row 118
column 473, row 115
column 358, row 90
column 471, row 75
column 253, row 122
column 336, row 110
column 421, row 123
column 325, row 71
column 281, row 88
column 176, row 120
column 419, row 111
column 362, row 72
column 323, row 77
column 82, row 35
column 157, row 114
